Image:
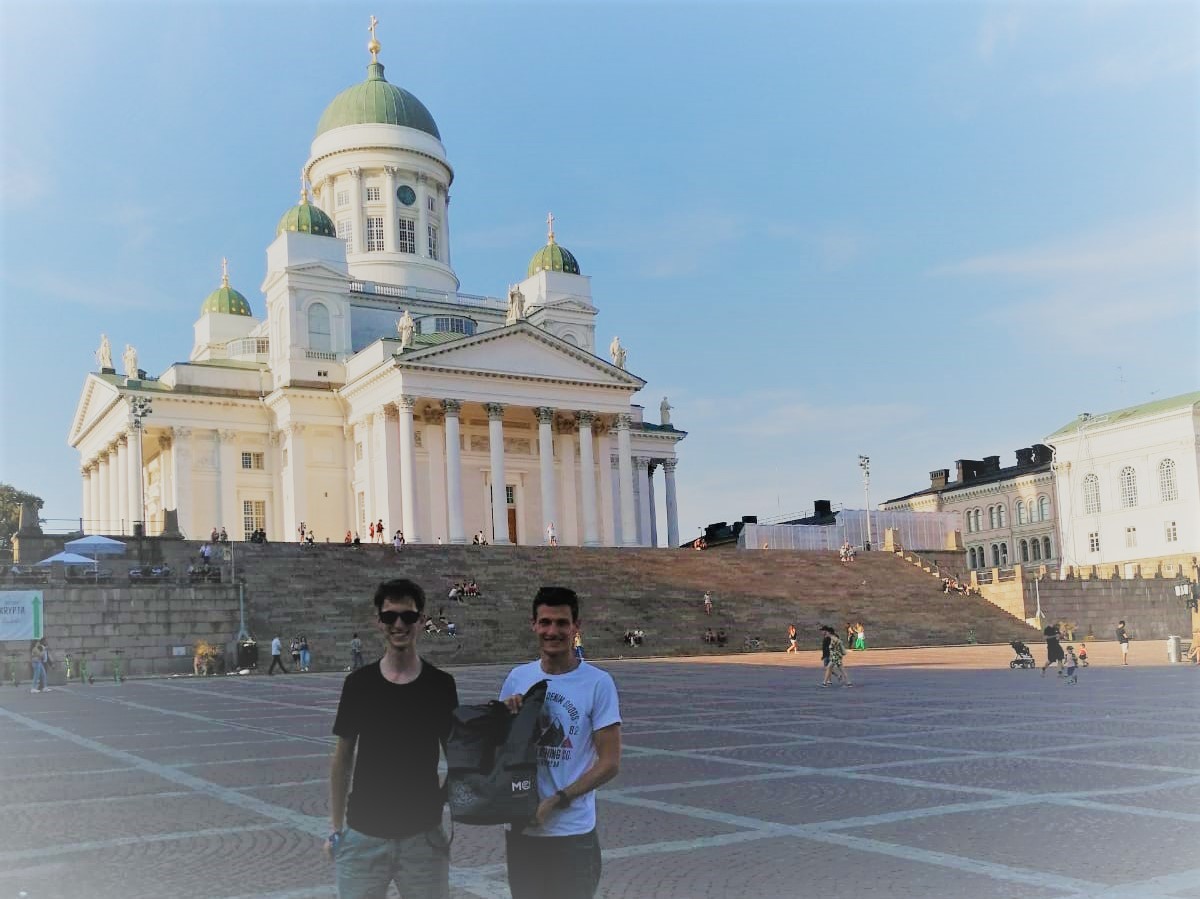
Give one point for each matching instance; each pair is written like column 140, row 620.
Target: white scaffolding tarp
column 918, row 531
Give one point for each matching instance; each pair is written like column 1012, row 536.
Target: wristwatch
column 563, row 799
column 334, row 838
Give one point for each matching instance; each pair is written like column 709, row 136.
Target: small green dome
column 225, row 299
column 375, row 101
column 553, row 258
column 307, row 219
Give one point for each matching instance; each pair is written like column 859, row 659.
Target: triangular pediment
column 97, row 398
column 520, row 351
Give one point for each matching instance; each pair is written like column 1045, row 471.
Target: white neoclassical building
column 373, row 388
column 1128, row 485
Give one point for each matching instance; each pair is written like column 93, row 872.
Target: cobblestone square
column 941, row 773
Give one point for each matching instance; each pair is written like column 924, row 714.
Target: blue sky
column 920, row 231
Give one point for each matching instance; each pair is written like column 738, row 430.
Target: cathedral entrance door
column 512, row 525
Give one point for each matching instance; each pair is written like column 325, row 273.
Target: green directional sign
column 21, row 614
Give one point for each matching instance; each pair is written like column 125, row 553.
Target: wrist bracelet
column 334, row 838
column 563, row 799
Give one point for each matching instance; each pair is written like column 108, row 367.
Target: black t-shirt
column 825, row 643
column 1122, row 637
column 398, row 727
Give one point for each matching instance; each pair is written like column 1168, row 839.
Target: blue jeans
column 305, row 658
column 553, row 867
column 39, row 675
column 356, row 660
column 420, row 865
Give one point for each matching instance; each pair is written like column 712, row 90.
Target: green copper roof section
column 375, row 101
column 307, row 219
column 227, row 300
column 553, row 258
column 1119, row 416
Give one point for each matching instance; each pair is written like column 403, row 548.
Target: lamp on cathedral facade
column 139, row 409
column 864, row 462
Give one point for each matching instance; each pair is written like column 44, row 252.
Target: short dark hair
column 827, row 629
column 1122, row 621
column 397, row 590
column 557, row 596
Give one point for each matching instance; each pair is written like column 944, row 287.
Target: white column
column 348, row 463
column 607, row 491
column 102, row 514
column 587, row 481
column 423, row 225
column 166, row 474
column 295, row 484
column 408, row 469
column 454, row 499
column 114, row 490
column 85, row 483
column 568, row 523
column 91, row 525
column 389, row 202
column 495, row 413
column 389, row 499
column 435, row 447
column 358, row 240
column 642, row 464
column 672, row 503
column 229, row 516
column 181, row 474
column 653, row 510
column 545, row 417
column 122, row 478
column 625, row 470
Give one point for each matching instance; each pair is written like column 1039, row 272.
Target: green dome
column 376, row 101
column 225, row 299
column 553, row 258
column 307, row 219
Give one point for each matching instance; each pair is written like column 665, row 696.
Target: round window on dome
column 406, row 195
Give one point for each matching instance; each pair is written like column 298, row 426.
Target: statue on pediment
column 664, row 411
column 405, row 328
column 104, row 353
column 617, row 352
column 516, row 306
column 129, row 359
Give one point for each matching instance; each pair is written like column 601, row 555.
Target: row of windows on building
column 1170, row 535
column 1168, row 487
column 406, row 236
column 1029, row 512
column 374, row 194
column 1032, row 549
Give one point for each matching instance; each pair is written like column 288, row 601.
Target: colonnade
column 112, row 487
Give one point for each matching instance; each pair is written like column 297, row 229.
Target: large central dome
column 375, row 101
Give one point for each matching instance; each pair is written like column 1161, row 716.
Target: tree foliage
column 11, row 500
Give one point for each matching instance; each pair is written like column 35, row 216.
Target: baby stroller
column 1024, row 657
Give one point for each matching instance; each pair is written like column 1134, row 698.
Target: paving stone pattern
column 941, row 773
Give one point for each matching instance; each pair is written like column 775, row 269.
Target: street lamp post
column 139, row 409
column 864, row 462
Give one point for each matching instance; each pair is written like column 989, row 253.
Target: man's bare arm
column 340, row 766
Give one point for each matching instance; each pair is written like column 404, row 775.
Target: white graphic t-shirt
column 577, row 703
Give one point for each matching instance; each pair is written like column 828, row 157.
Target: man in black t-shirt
column 1123, row 641
column 391, row 720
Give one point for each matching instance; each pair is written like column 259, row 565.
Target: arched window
column 970, row 529
column 1128, row 487
column 996, row 555
column 1025, row 550
column 1003, row 554
column 1037, row 550
column 971, row 556
column 1020, row 512
column 992, row 517
column 1003, row 516
column 1046, row 548
column 1043, row 508
column 319, row 336
column 1091, row 495
column 1168, row 487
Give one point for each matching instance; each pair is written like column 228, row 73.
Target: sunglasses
column 408, row 616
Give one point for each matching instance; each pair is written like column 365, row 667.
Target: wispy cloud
column 999, row 28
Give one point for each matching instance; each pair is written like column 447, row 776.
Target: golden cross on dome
column 303, row 188
column 550, row 226
column 373, row 44
column 224, row 272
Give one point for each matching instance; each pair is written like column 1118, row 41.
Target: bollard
column 1174, row 649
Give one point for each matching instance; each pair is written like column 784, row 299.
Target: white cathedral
column 373, row 389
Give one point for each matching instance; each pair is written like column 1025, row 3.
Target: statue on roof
column 516, row 306
column 104, row 353
column 405, row 328
column 617, row 352
column 664, row 411
column 129, row 359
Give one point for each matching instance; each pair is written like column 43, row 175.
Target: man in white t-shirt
column 579, row 748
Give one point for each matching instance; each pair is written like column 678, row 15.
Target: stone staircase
column 325, row 592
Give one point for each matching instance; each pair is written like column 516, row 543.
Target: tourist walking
column 379, row 530
column 860, row 637
column 791, row 635
column 551, row 535
column 356, row 652
column 834, row 667
column 1123, row 640
column 294, row 649
column 276, row 655
column 707, row 602
column 39, row 657
column 1072, row 666
column 826, row 641
column 557, row 856
column 385, row 798
column 1054, row 652
column 305, row 654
